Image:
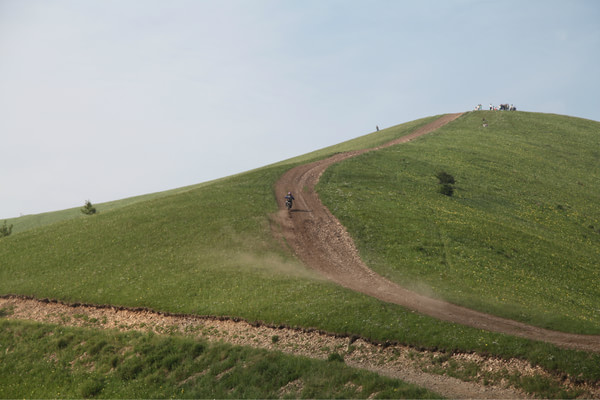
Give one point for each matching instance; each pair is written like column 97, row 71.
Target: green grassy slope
column 521, row 235
column 206, row 250
column 209, row 250
column 44, row 361
column 32, row 221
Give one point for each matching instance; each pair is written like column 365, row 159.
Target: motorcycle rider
column 289, row 197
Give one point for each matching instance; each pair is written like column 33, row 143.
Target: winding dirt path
column 320, row 240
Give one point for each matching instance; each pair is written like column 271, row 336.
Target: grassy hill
column 521, row 226
column 519, row 238
column 205, row 250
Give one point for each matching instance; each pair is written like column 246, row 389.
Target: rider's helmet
column 289, row 193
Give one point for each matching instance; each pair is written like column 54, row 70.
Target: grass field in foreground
column 519, row 238
column 45, row 361
column 210, row 250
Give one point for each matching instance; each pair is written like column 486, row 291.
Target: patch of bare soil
column 422, row 368
column 322, row 243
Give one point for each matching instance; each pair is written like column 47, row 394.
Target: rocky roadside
column 423, row 368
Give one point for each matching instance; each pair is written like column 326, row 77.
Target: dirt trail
column 395, row 361
column 320, row 240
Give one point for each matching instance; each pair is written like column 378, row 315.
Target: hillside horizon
column 48, row 216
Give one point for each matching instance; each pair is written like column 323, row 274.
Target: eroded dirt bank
column 394, row 361
column 322, row 243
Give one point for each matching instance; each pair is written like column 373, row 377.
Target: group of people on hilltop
column 511, row 107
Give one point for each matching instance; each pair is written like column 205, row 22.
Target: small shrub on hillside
column 335, row 357
column 88, row 208
column 445, row 178
column 5, row 230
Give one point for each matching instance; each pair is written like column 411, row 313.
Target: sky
column 104, row 100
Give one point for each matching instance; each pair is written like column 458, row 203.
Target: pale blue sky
column 103, row 100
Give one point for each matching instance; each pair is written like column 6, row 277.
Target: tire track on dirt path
column 322, row 243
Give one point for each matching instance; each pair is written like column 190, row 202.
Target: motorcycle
column 288, row 203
